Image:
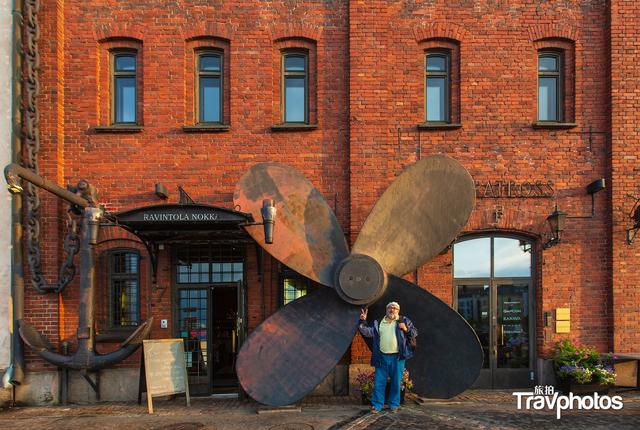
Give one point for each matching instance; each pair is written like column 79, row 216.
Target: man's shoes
column 393, row 410
column 374, row 410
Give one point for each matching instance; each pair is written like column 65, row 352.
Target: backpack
column 411, row 339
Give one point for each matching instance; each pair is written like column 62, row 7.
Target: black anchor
column 85, row 358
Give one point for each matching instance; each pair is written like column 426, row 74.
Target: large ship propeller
column 418, row 216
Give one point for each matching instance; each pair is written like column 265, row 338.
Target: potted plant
column 365, row 381
column 582, row 370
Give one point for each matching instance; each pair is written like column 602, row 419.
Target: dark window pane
column 124, row 288
column 548, row 64
column 210, row 99
column 294, row 64
column 125, row 63
column 436, row 108
column 472, row 258
column 473, row 305
column 294, row 100
column 548, row 99
column 209, row 63
column 436, row 63
column 125, row 99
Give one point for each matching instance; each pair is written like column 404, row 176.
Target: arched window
column 210, row 87
column 492, row 291
column 124, row 283
column 295, row 86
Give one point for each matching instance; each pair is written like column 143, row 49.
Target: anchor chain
column 31, row 147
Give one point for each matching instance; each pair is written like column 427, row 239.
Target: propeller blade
column 290, row 353
column 418, row 216
column 448, row 357
column 307, row 236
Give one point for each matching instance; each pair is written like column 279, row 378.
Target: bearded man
column 390, row 350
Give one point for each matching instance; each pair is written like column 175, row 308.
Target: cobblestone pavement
column 477, row 409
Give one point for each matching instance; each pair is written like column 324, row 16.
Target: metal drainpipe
column 15, row 372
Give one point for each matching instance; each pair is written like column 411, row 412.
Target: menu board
column 164, row 369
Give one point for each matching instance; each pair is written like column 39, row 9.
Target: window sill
column 134, row 128
column 553, row 125
column 116, row 334
column 293, row 127
column 204, row 128
column 439, row 126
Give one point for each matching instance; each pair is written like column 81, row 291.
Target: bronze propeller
column 418, row 216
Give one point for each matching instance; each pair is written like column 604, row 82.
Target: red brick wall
column 369, row 98
column 125, row 166
column 625, row 75
column 498, row 102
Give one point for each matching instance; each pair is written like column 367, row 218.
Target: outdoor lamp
column 268, row 213
column 556, row 223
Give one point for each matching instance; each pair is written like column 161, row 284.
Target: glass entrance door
column 474, row 303
column 211, row 302
column 512, row 336
column 492, row 292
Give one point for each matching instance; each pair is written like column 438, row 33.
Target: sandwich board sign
column 164, row 369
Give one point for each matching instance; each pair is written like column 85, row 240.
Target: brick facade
column 367, row 87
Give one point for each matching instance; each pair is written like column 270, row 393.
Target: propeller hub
column 360, row 279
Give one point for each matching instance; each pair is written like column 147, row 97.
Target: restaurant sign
column 171, row 214
column 514, row 189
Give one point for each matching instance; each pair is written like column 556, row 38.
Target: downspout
column 15, row 373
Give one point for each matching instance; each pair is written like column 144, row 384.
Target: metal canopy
column 171, row 223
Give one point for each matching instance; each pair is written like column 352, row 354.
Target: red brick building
column 536, row 99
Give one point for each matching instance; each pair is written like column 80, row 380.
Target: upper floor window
column 124, row 88
column 124, row 280
column 210, row 81
column 549, row 86
column 295, row 87
column 438, row 86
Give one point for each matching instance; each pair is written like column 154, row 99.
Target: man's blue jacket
column 404, row 349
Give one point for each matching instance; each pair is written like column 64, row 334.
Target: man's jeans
column 391, row 368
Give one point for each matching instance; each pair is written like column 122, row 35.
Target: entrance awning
column 171, row 223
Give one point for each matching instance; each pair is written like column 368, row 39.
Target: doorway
column 493, row 292
column 210, row 318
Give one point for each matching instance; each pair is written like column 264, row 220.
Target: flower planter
column 568, row 386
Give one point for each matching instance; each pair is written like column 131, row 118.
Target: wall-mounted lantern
column 556, row 223
column 557, row 218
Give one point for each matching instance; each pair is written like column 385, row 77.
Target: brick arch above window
column 512, row 219
column 121, row 31
column 439, row 30
column 553, row 31
column 281, row 32
column 215, row 30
